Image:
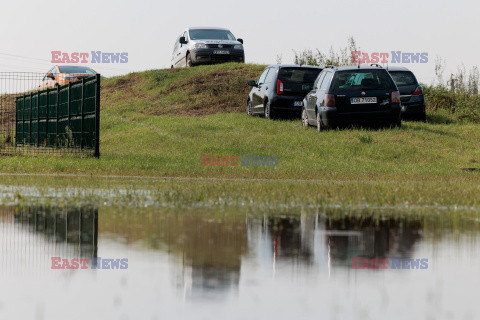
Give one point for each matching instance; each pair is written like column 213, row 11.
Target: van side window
column 263, row 76
column 326, row 81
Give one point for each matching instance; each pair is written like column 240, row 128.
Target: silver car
column 206, row 45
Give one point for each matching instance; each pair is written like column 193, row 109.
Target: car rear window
column 75, row 69
column 361, row 80
column 298, row 80
column 403, row 78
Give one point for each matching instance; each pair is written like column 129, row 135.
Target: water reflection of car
column 280, row 89
column 411, row 93
column 60, row 75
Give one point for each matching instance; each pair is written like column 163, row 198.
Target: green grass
column 173, row 146
column 160, row 123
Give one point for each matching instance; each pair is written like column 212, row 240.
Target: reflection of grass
column 428, row 196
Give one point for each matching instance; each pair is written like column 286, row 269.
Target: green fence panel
column 64, row 117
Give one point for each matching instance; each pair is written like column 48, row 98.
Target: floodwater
column 216, row 264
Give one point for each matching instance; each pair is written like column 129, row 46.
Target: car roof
column 208, row 28
column 397, row 68
column 279, row 66
column 351, row 68
column 70, row 66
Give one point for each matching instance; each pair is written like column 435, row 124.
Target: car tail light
column 329, row 100
column 418, row 91
column 395, row 97
column 279, row 87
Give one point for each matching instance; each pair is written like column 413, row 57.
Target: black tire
column 423, row 117
column 189, row 62
column 320, row 126
column 398, row 123
column 249, row 108
column 304, row 118
column 268, row 111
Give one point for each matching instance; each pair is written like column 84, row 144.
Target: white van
column 206, row 45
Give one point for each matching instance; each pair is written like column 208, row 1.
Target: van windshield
column 211, row 34
column 362, row 80
column 298, row 80
column 403, row 78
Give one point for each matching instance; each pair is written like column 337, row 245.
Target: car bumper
column 286, row 104
column 208, row 56
column 413, row 109
column 330, row 117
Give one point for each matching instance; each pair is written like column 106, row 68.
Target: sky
column 147, row 29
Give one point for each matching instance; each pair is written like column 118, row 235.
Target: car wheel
column 398, row 123
column 304, row 118
column 423, row 117
column 189, row 61
column 320, row 126
column 249, row 108
column 268, row 111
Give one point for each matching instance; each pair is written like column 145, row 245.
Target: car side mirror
column 252, row 83
column 51, row 76
column 183, row 40
column 240, row 40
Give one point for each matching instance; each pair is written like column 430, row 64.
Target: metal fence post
column 81, row 113
column 58, row 106
column 46, row 122
column 37, row 143
column 97, row 117
column 30, row 120
column 68, row 109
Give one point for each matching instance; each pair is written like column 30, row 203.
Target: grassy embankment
column 159, row 123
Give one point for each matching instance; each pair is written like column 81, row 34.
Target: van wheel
column 189, row 61
column 249, row 108
column 320, row 126
column 304, row 118
column 268, row 111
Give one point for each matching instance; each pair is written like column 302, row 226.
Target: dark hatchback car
column 411, row 93
column 280, row 90
column 352, row 95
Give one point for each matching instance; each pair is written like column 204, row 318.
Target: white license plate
column 298, row 104
column 363, row 100
column 221, row 52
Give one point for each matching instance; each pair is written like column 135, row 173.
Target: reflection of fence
column 31, row 236
column 75, row 227
column 58, row 119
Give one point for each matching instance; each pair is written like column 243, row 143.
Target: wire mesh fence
column 49, row 113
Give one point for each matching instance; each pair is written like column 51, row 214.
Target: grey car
column 411, row 93
column 203, row 45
